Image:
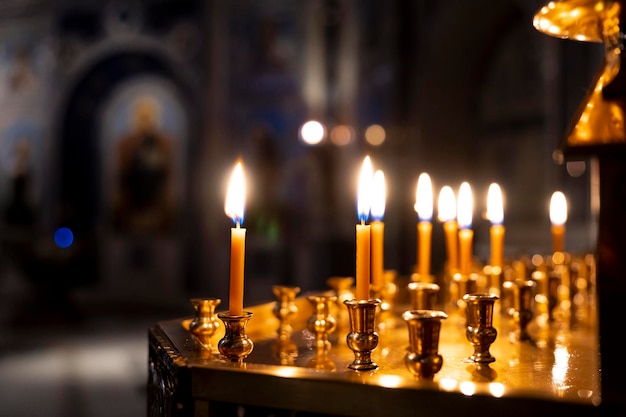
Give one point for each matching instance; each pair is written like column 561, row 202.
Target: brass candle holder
column 205, row 323
column 362, row 339
column 525, row 313
column 322, row 323
column 386, row 293
column 235, row 345
column 285, row 308
column 480, row 331
column 423, row 359
column 423, row 295
column 343, row 288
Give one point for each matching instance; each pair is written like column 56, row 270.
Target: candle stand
column 205, row 322
column 235, row 345
column 362, row 339
column 322, row 323
column 423, row 358
column 480, row 331
column 297, row 374
column 423, row 295
column 285, row 308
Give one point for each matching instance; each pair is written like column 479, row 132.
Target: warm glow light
column 312, row 132
column 496, row 389
column 495, row 211
column 558, row 209
column 236, row 195
column 390, row 381
column 468, row 388
column 424, row 198
column 341, row 135
column 465, row 206
column 446, row 205
column 364, row 200
column 375, row 135
column 379, row 195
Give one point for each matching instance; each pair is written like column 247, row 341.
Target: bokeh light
column 63, row 237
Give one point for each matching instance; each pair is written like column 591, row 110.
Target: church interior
column 122, row 120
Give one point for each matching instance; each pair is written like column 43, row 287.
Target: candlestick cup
column 423, row 359
column 362, row 339
column 235, row 345
column 480, row 331
column 205, row 323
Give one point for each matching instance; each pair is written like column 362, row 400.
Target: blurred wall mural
column 121, row 120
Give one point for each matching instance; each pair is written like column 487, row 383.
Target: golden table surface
column 556, row 372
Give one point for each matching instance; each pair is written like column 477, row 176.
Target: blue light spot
column 63, row 237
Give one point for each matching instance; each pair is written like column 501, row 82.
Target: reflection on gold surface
column 600, row 120
column 581, row 20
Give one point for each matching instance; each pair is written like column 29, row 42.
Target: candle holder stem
column 235, row 345
column 362, row 339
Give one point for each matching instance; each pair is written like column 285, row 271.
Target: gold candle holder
column 362, row 339
column 423, row 359
column 205, row 323
column 343, row 287
column 525, row 313
column 480, row 331
column 386, row 293
column 285, row 308
column 235, row 345
column 423, row 295
column 554, row 282
column 322, row 323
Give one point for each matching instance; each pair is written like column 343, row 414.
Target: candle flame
column 236, row 195
column 364, row 200
column 465, row 206
column 558, row 208
column 495, row 210
column 424, row 197
column 379, row 195
column 446, row 204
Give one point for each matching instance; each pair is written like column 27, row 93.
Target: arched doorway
column 100, row 112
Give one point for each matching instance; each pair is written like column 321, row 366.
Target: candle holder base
column 235, row 345
column 362, row 339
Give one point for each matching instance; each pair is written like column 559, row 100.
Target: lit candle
column 424, row 208
column 363, row 231
column 447, row 214
column 495, row 214
column 379, row 193
column 558, row 217
column 234, row 207
column 466, row 234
